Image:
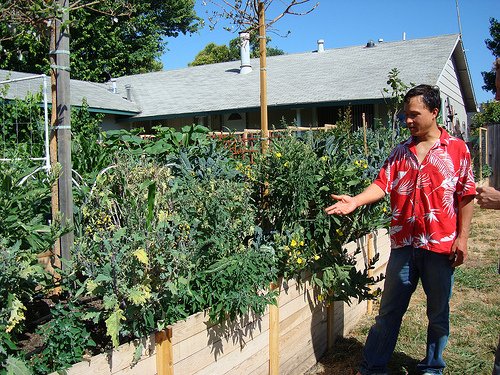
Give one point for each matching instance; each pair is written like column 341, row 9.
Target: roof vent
column 128, row 90
column 381, row 40
column 321, row 45
column 113, row 85
column 370, row 44
column 245, row 66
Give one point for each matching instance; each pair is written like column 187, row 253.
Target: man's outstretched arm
column 347, row 204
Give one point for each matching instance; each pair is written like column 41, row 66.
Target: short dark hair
column 430, row 96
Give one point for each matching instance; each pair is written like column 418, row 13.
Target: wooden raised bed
column 306, row 330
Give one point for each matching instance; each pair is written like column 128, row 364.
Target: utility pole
column 63, row 123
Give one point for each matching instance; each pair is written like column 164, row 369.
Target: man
column 431, row 186
column 488, row 197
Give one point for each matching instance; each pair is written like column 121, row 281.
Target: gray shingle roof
column 342, row 74
column 351, row 74
column 98, row 95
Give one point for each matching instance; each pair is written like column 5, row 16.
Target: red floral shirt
column 424, row 197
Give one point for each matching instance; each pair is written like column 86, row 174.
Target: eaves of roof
column 253, row 109
column 464, row 76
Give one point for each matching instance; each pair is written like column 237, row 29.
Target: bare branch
column 244, row 14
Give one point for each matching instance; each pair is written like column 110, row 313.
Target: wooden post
column 330, row 327
column 371, row 254
column 486, row 141
column 55, row 254
column 364, row 134
column 274, row 335
column 64, row 125
column 164, row 354
column 263, row 78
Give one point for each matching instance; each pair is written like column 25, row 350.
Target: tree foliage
column 493, row 45
column 490, row 114
column 213, row 53
column 108, row 38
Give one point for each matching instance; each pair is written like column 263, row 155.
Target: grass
column 474, row 317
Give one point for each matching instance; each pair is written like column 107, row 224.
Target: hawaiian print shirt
column 424, row 197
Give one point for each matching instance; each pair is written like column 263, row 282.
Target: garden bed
column 307, row 329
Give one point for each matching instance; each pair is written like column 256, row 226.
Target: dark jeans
column 405, row 268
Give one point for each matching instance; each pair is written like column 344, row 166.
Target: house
column 306, row 89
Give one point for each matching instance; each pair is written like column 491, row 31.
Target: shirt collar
column 444, row 139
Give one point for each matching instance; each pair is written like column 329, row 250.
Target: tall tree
column 493, row 45
column 108, row 38
column 213, row 53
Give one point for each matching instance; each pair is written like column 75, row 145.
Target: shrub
column 174, row 225
column 297, row 177
column 156, row 240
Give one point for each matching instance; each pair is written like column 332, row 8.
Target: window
column 234, row 117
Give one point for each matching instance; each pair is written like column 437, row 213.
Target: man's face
column 419, row 119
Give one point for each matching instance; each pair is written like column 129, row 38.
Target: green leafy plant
column 65, row 340
column 90, row 155
column 22, row 131
column 154, row 236
column 297, row 177
column 490, row 114
column 398, row 89
column 21, row 278
column 25, row 205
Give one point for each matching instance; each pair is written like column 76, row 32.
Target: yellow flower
column 320, row 297
column 316, row 257
column 339, row 232
column 324, row 158
column 286, row 164
column 278, row 155
column 365, row 165
column 384, row 209
column 162, row 216
column 293, row 243
column 301, row 243
column 300, row 260
column 356, row 163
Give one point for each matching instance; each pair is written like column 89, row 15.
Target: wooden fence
column 306, row 329
column 247, row 142
column 493, row 155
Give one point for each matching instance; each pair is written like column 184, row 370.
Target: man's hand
column 458, row 251
column 488, row 197
column 345, row 205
